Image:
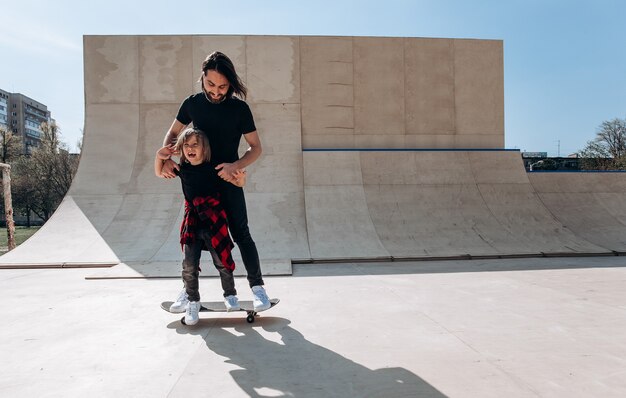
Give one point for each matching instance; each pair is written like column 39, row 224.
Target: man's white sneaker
column 231, row 303
column 191, row 315
column 180, row 305
column 261, row 302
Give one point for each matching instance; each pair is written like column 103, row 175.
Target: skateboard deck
column 218, row 306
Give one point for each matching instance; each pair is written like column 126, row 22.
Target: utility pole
column 8, row 204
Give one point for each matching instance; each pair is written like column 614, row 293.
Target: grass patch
column 21, row 234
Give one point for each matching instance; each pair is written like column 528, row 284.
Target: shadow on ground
column 274, row 359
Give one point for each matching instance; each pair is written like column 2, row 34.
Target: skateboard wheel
column 250, row 318
column 182, row 320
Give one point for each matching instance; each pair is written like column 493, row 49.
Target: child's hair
column 202, row 139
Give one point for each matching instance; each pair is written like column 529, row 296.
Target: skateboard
column 218, row 306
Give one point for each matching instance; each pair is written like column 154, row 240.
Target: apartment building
column 4, row 109
column 23, row 116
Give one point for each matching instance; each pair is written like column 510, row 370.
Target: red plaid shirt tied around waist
column 208, row 212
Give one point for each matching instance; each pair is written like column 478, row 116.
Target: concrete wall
column 366, row 92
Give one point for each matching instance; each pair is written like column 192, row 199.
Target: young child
column 204, row 226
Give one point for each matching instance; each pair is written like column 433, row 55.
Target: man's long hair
column 220, row 63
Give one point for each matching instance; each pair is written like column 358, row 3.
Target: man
column 218, row 112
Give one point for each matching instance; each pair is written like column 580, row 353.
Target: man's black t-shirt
column 198, row 181
column 223, row 123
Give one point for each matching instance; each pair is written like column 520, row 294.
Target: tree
column 9, row 152
column 25, row 194
column 9, row 146
column 608, row 150
column 44, row 178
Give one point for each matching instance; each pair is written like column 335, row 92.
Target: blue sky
column 564, row 61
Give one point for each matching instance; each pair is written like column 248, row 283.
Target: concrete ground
column 493, row 328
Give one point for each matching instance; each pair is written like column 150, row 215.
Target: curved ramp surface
column 592, row 205
column 429, row 203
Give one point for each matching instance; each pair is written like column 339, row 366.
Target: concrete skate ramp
column 325, row 93
column 592, row 205
column 429, row 203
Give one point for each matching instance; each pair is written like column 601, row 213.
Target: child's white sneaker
column 180, row 305
column 231, row 303
column 191, row 315
column 261, row 302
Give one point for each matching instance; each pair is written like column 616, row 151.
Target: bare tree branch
column 607, row 151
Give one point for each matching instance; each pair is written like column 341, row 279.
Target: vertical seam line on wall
column 138, row 55
column 502, row 126
column 306, row 220
column 300, row 95
column 354, row 131
column 245, row 57
column 140, row 41
column 191, row 66
column 454, row 128
column 404, row 93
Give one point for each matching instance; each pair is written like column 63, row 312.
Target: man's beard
column 211, row 99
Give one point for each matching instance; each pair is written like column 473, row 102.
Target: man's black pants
column 234, row 204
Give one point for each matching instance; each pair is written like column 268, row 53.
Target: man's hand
column 168, row 169
column 227, row 171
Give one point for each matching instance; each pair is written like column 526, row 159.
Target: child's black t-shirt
column 198, row 181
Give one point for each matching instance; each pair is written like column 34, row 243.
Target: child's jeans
column 191, row 267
